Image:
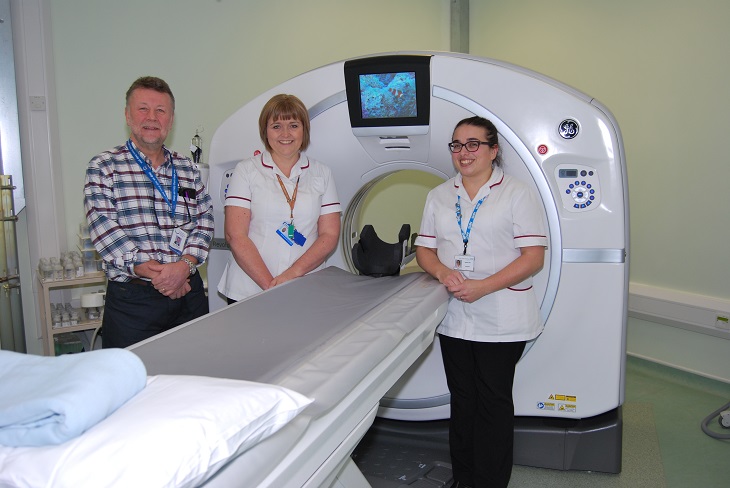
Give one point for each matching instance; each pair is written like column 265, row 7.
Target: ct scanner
column 569, row 385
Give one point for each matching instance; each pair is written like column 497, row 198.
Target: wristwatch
column 191, row 266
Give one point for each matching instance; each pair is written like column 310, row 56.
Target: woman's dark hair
column 492, row 136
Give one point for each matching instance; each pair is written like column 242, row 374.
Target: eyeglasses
column 471, row 146
column 186, row 193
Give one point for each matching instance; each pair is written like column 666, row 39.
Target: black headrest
column 373, row 257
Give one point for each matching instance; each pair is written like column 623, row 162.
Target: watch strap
column 191, row 266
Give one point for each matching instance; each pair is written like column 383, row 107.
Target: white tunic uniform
column 254, row 185
column 510, row 217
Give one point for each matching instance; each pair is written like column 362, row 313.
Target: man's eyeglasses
column 471, row 146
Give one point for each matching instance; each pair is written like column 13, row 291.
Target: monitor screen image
column 388, row 95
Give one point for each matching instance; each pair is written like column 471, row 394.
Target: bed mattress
column 338, row 338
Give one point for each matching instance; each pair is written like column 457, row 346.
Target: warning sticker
column 545, row 406
column 567, row 407
column 563, row 398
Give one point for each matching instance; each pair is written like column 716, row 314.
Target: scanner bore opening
column 387, row 202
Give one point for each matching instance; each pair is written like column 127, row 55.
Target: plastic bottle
column 92, row 313
column 69, row 272
column 79, row 267
column 46, row 272
column 56, row 320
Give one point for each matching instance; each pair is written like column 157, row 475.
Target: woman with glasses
column 482, row 235
column 282, row 213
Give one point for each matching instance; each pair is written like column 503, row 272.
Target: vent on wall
column 698, row 313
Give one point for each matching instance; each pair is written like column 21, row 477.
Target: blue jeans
column 135, row 312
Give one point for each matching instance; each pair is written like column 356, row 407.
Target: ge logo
column 541, row 405
column 568, row 129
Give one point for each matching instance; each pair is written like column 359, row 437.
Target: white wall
column 216, row 55
column 659, row 65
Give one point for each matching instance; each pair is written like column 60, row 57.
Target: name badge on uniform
column 464, row 262
column 177, row 241
column 283, row 232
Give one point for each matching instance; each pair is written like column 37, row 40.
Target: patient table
column 340, row 339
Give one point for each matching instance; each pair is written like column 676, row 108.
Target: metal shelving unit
column 49, row 332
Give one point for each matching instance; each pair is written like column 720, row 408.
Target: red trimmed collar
column 271, row 167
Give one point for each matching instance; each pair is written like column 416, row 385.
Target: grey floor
column 663, row 444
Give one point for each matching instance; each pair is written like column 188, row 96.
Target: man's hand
column 171, row 279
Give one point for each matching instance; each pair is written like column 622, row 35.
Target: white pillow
column 178, row 431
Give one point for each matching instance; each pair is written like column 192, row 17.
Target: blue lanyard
column 465, row 235
column 153, row 177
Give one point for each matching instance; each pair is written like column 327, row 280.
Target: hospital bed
column 339, row 339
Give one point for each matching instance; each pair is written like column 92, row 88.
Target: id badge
column 177, row 241
column 283, row 232
column 464, row 262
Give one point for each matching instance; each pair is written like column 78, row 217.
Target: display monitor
column 389, row 95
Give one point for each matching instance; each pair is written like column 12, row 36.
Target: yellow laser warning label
column 563, row 398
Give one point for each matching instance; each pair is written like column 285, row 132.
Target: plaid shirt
column 130, row 222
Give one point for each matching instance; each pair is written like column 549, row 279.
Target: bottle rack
column 84, row 324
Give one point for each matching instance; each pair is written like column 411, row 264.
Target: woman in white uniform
column 482, row 236
column 282, row 213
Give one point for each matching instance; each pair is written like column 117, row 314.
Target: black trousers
column 480, row 376
column 135, row 312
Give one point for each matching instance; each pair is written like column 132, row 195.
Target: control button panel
column 578, row 186
column 225, row 181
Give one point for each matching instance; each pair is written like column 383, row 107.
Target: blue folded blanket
column 49, row 400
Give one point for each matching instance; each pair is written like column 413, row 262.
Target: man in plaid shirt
column 151, row 220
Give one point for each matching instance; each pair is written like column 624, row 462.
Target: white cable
column 93, row 337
